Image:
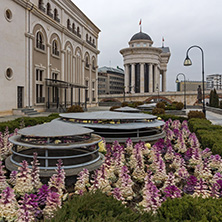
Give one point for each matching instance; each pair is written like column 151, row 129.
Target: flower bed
column 142, row 177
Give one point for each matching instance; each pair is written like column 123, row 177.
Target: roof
column 140, row 35
column 127, row 109
column 106, row 69
column 165, row 49
column 107, row 115
column 54, row 129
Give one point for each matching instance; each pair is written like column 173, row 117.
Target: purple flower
column 172, row 192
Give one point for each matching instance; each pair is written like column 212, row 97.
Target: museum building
column 49, row 54
column 145, row 66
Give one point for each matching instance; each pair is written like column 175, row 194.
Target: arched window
column 86, row 37
column 78, row 32
column 55, row 50
column 68, row 24
column 41, row 7
column 73, row 27
column 55, row 13
column 93, row 64
column 87, row 61
column 94, row 42
column 90, row 38
column 48, row 9
column 40, row 41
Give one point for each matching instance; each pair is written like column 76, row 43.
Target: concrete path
column 215, row 118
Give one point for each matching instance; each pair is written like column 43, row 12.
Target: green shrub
column 166, row 117
column 208, row 134
column 75, row 109
column 135, row 104
column 157, row 111
column 196, row 114
column 97, row 207
column 113, row 108
column 124, row 104
column 160, row 105
column 26, row 121
column 179, row 106
column 188, row 208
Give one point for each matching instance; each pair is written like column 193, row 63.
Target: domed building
column 145, row 66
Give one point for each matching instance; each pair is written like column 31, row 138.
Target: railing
column 50, row 14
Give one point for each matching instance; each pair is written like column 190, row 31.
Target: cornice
column 140, row 49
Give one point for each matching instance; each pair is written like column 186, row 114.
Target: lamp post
column 177, row 80
column 187, row 62
column 157, row 88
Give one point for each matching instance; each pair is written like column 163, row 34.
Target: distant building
column 49, row 55
column 214, row 81
column 190, row 85
column 110, row 80
column 145, row 66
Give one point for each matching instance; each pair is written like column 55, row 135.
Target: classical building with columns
column 145, row 66
column 49, row 52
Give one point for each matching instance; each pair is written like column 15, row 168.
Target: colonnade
column 144, row 77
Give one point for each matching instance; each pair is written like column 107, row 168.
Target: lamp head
column 187, row 61
column 177, row 80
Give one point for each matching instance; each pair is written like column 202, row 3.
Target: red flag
column 140, row 22
column 162, row 39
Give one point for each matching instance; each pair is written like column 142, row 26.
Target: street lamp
column 157, row 88
column 187, row 62
column 177, row 80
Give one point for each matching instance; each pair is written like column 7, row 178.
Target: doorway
column 20, row 96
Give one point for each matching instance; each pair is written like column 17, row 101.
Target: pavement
column 213, row 117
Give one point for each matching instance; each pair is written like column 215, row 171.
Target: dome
column 141, row 35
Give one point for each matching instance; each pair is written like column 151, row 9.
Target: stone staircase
column 26, row 112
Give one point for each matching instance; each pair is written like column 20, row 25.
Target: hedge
column 26, row 121
column 97, row 207
column 188, row 208
column 208, row 134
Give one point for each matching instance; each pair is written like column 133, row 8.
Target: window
column 55, row 48
column 39, row 41
column 9, row 73
column 78, row 32
column 87, row 37
column 87, row 62
column 90, row 38
column 68, row 24
column 93, row 41
column 56, row 15
column 54, row 89
column 93, row 85
column 41, row 7
column 39, row 87
column 93, row 64
column 48, row 8
column 8, row 15
column 73, row 27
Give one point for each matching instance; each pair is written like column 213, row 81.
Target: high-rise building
column 214, row 81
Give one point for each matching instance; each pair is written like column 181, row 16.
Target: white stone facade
column 145, row 65
column 46, row 39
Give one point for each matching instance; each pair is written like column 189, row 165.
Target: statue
column 199, row 94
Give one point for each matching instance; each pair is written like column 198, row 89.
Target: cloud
column 182, row 23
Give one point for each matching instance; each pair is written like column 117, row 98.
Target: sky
column 182, row 23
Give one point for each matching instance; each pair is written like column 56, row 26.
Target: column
column 126, row 78
column 154, row 78
column 150, row 78
column 142, row 77
column 90, row 84
column 157, row 77
column 133, row 78
column 164, row 81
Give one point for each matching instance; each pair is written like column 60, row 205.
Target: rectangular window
column 39, row 91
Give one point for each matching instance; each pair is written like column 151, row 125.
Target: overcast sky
column 182, row 23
